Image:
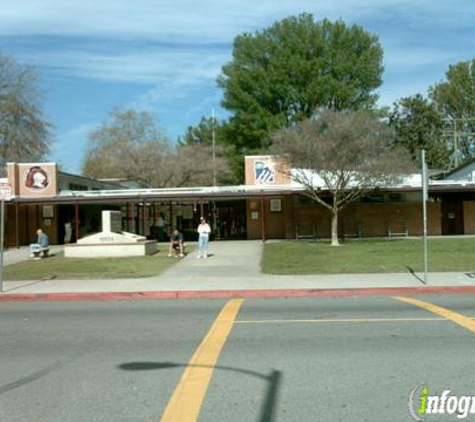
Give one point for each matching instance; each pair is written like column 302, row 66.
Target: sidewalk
column 233, row 266
column 15, row 256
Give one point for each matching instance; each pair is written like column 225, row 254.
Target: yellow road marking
column 339, row 320
column 459, row 319
column 185, row 403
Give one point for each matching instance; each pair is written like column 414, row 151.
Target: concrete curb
column 229, row 294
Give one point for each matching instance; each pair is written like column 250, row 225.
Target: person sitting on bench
column 176, row 244
column 42, row 244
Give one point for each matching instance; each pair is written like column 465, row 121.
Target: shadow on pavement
column 413, row 273
column 273, row 379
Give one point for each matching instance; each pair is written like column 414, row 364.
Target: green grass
column 368, row 256
column 59, row 267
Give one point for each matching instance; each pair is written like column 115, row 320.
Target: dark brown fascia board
column 150, row 198
column 212, row 195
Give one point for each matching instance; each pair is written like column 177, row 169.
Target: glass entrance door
column 230, row 219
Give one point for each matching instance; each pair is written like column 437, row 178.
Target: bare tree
column 24, row 133
column 130, row 145
column 193, row 165
column 342, row 155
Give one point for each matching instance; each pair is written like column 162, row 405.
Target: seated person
column 176, row 244
column 41, row 243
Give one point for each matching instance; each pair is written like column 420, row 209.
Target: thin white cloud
column 174, row 47
column 206, row 19
column 146, row 67
column 407, row 57
column 170, row 39
column 71, row 144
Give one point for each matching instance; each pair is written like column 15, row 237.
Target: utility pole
column 214, row 150
column 5, row 195
column 458, row 131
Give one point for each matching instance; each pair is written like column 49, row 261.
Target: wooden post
column 171, row 217
column 143, row 219
column 26, row 232
column 134, row 229
column 17, row 228
column 263, row 220
column 76, row 212
column 38, row 224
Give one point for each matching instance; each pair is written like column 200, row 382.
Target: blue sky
column 164, row 56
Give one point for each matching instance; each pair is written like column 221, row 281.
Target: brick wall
column 372, row 219
column 469, row 217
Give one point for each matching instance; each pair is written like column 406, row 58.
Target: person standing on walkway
column 161, row 227
column 203, row 230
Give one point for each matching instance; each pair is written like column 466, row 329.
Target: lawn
column 368, row 256
column 60, row 267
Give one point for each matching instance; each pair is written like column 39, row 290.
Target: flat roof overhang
column 144, row 197
column 208, row 194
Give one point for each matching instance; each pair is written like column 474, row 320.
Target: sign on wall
column 275, row 205
column 5, row 191
column 264, row 171
column 37, row 178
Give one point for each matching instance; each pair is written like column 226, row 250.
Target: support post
column 263, row 220
column 143, row 219
column 2, row 234
column 127, row 217
column 76, row 212
column 17, row 228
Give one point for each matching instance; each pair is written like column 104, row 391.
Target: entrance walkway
column 230, row 261
column 229, row 257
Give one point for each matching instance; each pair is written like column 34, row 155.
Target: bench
column 398, row 228
column 40, row 253
column 353, row 230
column 305, row 230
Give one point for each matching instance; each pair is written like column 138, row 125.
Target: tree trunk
column 335, row 228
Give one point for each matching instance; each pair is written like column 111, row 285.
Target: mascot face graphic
column 36, row 178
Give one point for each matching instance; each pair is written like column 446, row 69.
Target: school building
column 270, row 205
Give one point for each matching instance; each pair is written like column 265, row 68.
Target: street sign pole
column 2, row 229
column 424, row 211
column 5, row 194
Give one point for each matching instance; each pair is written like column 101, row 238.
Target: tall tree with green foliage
column 202, row 134
column 419, row 125
column 455, row 100
column 24, row 132
column 282, row 74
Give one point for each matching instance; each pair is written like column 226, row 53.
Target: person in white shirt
column 204, row 230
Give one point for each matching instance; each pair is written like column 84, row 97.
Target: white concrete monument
column 111, row 241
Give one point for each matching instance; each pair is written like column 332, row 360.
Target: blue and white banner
column 264, row 172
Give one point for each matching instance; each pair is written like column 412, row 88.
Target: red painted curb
column 228, row 294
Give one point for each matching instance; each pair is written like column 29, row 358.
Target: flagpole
column 214, row 151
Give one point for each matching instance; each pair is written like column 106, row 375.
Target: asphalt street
column 307, row 359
